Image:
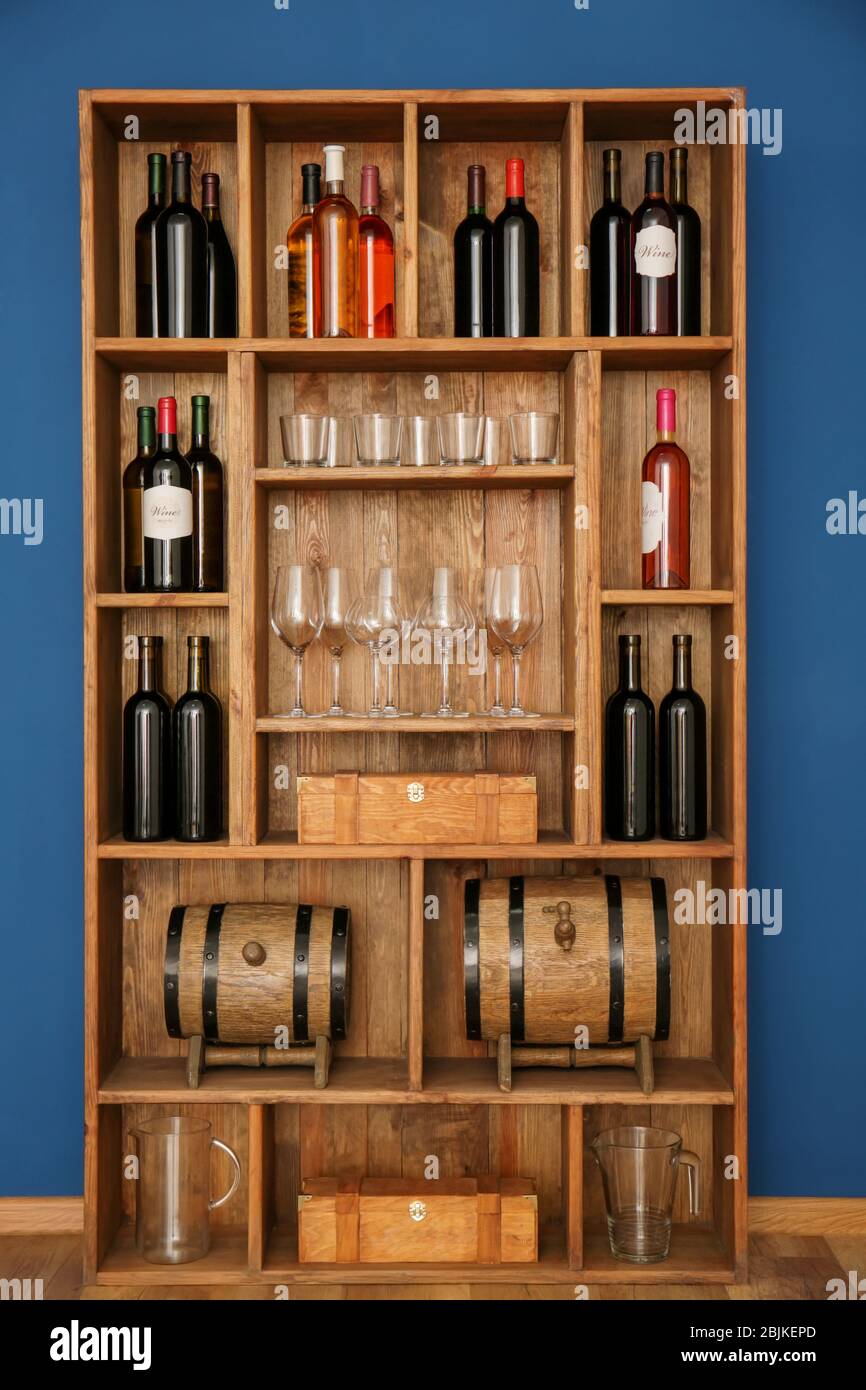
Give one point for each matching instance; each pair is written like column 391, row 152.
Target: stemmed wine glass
column 516, row 616
column 338, row 595
column 297, row 614
column 495, row 644
column 447, row 617
column 375, row 621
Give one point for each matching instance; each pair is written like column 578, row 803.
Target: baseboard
column 41, row 1216
column 812, row 1216
column 807, row 1216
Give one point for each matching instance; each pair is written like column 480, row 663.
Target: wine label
column 167, row 513
column 650, row 517
column 655, row 252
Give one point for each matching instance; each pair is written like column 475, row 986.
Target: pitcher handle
column 693, row 1168
column 236, row 1176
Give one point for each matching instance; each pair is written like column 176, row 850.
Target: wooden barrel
column 237, row 972
column 545, row 956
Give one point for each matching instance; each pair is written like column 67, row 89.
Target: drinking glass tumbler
column 305, row 440
column 419, row 441
column 461, row 438
column 639, row 1167
column 173, row 1202
column 533, row 437
column 377, row 438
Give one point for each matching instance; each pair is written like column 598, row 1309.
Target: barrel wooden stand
column 638, row 1055
column 203, row 1055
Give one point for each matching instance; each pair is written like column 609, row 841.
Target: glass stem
column 336, row 663
column 389, row 685
column 445, row 706
column 497, row 680
column 299, row 667
column 375, row 707
column 516, row 707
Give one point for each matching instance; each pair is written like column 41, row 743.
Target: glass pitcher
column 639, row 1174
column 173, row 1203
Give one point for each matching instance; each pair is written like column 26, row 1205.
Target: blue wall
column 807, row 726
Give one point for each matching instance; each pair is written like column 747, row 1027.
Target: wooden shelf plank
column 550, row 845
column 652, row 598
column 413, row 354
column 412, row 724
column 385, row 1081
column 162, row 600
column 696, row 1257
column 460, row 476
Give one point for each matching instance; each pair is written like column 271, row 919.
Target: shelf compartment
column 356, row 478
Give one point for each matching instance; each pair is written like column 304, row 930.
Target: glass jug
column 173, row 1203
column 639, row 1169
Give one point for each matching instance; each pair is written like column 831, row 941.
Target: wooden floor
column 781, row 1266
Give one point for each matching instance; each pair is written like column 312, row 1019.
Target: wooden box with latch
column 481, row 808
column 485, row 1220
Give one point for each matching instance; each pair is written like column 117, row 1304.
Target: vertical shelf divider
column 252, row 279
column 260, row 1216
column 572, row 1183
column 573, row 283
column 583, row 438
column 407, row 307
column 415, row 1020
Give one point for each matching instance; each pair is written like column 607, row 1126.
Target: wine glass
column 516, row 616
column 375, row 621
column 338, row 589
column 448, row 618
column 297, row 614
column 495, row 644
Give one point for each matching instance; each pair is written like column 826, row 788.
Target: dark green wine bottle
column 133, row 489
column 198, row 758
column 207, row 504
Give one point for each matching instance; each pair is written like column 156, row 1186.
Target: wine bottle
column 335, row 254
column 516, row 267
column 147, row 782
column 664, row 495
column 629, row 752
column 473, row 263
column 688, row 228
column 654, row 257
column 609, row 232
column 683, row 753
column 207, row 504
column 300, row 247
column 222, row 280
column 145, row 249
column 133, row 502
column 167, row 509
column 181, row 259
column 198, row 757
column 376, row 316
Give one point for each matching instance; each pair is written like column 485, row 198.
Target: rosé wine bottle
column 665, row 504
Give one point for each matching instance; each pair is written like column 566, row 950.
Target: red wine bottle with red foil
column 654, row 257
column 222, row 280
column 609, row 239
column 376, row 263
column 516, row 263
column 145, row 249
column 665, row 504
column 683, row 753
column 167, row 509
column 629, row 752
column 473, row 263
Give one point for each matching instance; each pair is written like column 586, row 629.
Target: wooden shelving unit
column 406, row 1083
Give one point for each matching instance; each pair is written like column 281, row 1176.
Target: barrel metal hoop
column 616, row 953
column 515, row 959
column 210, row 969
column 339, row 971
column 471, row 957
column 301, row 974
column 663, row 959
column 171, row 972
